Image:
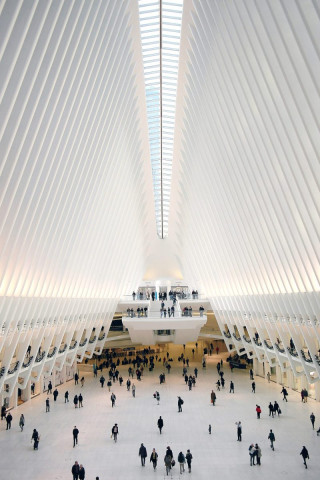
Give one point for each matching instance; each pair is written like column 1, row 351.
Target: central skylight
column 160, row 25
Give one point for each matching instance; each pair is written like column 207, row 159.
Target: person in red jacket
column 258, row 410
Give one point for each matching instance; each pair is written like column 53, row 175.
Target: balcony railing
column 227, row 334
column 2, row 370
column 268, row 345
column 93, row 339
column 52, row 353
column 63, row 349
column 27, row 362
column 82, row 344
column 102, row 337
column 281, row 350
column 257, row 342
column 40, row 357
column 73, row 346
column 306, row 358
column 246, row 339
column 292, row 352
column 236, row 337
column 13, row 368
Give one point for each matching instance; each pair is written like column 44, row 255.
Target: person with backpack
column 154, row 458
column 115, row 432
column 182, row 461
column 272, row 438
column 189, row 459
column 180, row 403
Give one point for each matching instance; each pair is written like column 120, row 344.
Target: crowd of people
column 140, row 362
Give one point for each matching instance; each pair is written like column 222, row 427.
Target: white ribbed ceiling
column 75, row 182
column 76, row 196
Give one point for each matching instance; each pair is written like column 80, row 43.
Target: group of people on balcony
column 164, row 311
column 140, row 312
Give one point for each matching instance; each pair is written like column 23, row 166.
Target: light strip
column 160, row 26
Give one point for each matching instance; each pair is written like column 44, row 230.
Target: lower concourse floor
column 218, row 455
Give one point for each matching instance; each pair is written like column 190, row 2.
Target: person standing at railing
column 133, row 296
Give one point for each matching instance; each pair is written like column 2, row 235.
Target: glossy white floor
column 218, row 455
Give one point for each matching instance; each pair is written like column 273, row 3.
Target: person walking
column 76, row 378
column 272, row 438
column 75, row 433
column 102, row 380
column 50, row 387
column 167, row 462
column 213, row 397
column 47, row 405
column 55, row 395
column 160, row 424
column 21, row 422
column 133, row 390
column 312, row 419
column 75, row 470
column 82, row 473
column 113, row 400
column 115, row 432
column 80, row 398
column 284, row 393
column 82, row 381
column 158, row 397
column 258, row 454
column 239, row 431
column 182, row 461
column 271, row 410
column 66, row 397
column 154, row 458
column 9, row 420
column 231, row 387
column 75, row 401
column 180, row 403
column 253, row 387
column 143, row 454
column 305, row 455
column 128, row 384
column 268, row 377
column 189, row 460
column 36, row 438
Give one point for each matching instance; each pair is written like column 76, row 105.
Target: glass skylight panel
column 161, row 130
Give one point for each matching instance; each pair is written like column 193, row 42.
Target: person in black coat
column 75, row 433
column 305, row 455
column 143, row 454
column 82, row 473
column 9, row 420
column 180, row 403
column 75, row 470
column 160, row 424
column 35, row 437
column 55, row 395
column 189, row 459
